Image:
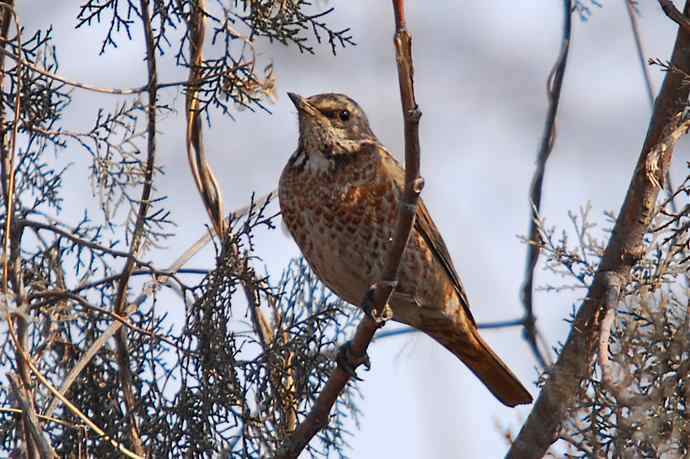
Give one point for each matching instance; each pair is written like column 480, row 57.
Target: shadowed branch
column 561, row 390
column 554, row 86
column 123, row 359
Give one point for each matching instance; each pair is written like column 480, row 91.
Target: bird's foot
column 386, row 313
column 348, row 361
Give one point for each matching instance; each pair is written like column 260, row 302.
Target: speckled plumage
column 339, row 196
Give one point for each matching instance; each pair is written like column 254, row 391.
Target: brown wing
column 425, row 226
column 427, row 229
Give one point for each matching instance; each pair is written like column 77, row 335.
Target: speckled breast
column 343, row 219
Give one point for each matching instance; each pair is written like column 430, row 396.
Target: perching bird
column 339, row 195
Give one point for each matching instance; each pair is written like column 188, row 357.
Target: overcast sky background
column 481, row 69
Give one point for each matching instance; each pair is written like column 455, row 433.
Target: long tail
column 489, row 368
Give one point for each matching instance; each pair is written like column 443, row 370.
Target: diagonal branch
column 624, row 248
column 675, row 15
column 319, row 414
column 98, row 89
column 554, row 86
column 24, row 400
column 641, row 54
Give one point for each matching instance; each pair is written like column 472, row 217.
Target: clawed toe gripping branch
column 369, row 302
column 348, row 361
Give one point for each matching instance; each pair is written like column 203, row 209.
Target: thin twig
column 81, row 241
column 620, row 391
column 641, row 54
column 206, row 238
column 55, row 295
column 148, row 291
column 11, row 246
column 99, row 89
column 124, row 371
column 319, row 414
column 554, row 86
column 624, row 248
column 45, row 418
column 70, row 406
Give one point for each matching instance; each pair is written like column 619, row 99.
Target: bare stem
column 319, row 414
column 138, row 233
column 12, row 237
column 554, row 86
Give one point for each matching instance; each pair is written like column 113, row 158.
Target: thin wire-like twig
column 124, row 371
column 554, row 86
column 207, row 236
column 500, row 324
column 9, row 252
column 382, row 290
column 81, row 241
column 55, row 295
column 100, row 89
column 45, row 418
column 641, row 54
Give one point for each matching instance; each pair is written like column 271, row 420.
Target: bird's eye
column 344, row 115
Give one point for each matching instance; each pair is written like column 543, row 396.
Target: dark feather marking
column 299, row 154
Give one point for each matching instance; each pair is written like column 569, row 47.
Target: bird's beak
column 301, row 104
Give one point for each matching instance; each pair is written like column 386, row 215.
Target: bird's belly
column 349, row 259
column 344, row 232
column 346, row 258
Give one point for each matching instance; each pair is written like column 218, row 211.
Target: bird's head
column 331, row 125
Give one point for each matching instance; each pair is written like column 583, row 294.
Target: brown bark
column 560, row 392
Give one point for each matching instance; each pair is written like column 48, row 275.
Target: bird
column 339, row 196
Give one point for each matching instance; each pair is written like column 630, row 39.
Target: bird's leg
column 368, row 303
column 348, row 361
